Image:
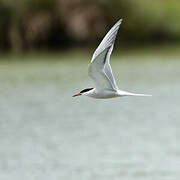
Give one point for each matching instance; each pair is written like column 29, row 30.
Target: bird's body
column 100, row 70
column 107, row 93
column 102, row 94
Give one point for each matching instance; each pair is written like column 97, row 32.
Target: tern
column 100, row 70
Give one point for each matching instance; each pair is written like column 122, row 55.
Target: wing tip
column 120, row 21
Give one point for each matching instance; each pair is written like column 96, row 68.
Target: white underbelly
column 104, row 94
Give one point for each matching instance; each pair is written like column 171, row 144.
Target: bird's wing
column 99, row 68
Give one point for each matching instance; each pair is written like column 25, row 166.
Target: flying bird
column 100, row 70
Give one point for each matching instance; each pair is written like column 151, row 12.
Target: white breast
column 103, row 94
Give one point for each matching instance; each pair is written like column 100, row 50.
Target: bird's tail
column 125, row 93
column 134, row 94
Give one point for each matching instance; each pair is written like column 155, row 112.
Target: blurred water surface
column 46, row 134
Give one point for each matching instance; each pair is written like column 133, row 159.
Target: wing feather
column 99, row 68
column 108, row 40
column 96, row 72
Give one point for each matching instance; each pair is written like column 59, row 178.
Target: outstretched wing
column 99, row 68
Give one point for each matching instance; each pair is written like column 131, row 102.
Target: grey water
column 46, row 134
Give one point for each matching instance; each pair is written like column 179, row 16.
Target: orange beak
column 79, row 94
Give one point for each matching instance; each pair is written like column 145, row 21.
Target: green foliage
column 34, row 24
column 41, row 5
column 152, row 20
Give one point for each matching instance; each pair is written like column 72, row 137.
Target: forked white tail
column 134, row 94
column 125, row 93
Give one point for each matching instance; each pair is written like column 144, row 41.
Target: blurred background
column 45, row 48
column 59, row 24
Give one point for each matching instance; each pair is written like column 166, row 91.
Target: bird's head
column 83, row 92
